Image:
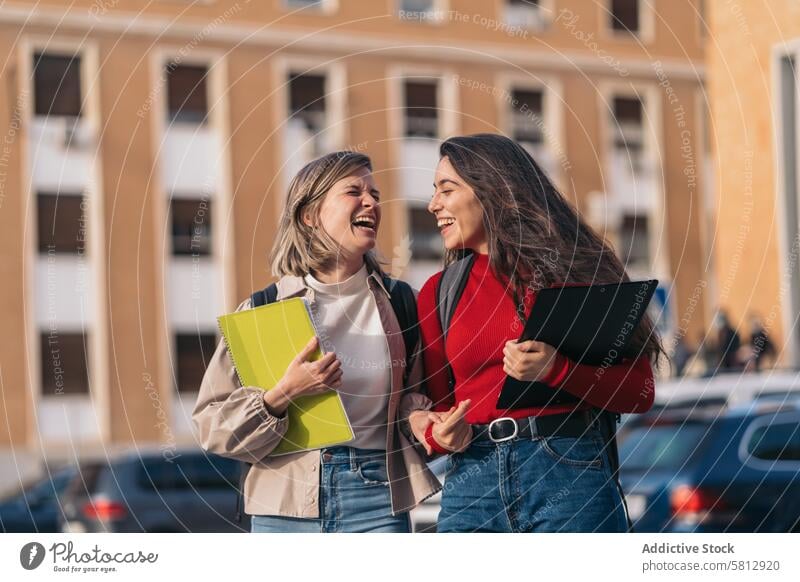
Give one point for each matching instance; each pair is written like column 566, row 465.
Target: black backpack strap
column 448, row 293
column 404, row 305
column 607, row 423
column 258, row 298
column 265, row 296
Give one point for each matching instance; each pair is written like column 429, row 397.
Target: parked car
column 35, row 507
column 714, row 468
column 192, row 492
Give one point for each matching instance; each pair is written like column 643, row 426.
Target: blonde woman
column 324, row 251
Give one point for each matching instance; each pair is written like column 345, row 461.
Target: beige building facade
column 147, row 148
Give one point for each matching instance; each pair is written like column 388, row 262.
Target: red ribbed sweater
column 484, row 320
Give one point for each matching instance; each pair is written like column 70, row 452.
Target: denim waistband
column 350, row 455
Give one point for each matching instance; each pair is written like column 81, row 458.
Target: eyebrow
column 443, row 181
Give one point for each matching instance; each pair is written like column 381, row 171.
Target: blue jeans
column 544, row 484
column 354, row 498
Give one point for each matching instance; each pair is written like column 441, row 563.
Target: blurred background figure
column 728, row 343
column 682, row 355
column 761, row 347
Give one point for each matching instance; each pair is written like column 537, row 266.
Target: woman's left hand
column 528, row 361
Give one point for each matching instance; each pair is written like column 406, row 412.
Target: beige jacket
column 233, row 421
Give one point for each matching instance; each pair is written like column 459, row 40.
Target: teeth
column 364, row 221
column 442, row 222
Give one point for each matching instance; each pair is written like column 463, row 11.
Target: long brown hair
column 536, row 238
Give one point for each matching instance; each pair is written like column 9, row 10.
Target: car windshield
column 661, row 446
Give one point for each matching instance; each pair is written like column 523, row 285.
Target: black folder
column 590, row 324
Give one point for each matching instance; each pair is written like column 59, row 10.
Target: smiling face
column 459, row 214
column 350, row 213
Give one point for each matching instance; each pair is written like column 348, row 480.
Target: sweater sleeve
column 434, row 355
column 625, row 387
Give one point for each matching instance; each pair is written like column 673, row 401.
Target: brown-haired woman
column 324, row 251
column 543, row 468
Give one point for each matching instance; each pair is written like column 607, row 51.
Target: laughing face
column 458, row 211
column 350, row 213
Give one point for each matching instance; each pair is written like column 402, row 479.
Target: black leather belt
column 568, row 424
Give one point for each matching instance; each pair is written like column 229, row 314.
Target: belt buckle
column 503, row 439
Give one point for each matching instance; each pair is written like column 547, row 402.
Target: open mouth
column 366, row 223
column 445, row 223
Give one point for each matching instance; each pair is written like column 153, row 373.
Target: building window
column 625, row 16
column 57, row 85
column 312, row 4
column 192, row 353
column 426, row 242
column 526, row 14
column 416, row 9
column 187, row 98
column 61, row 223
column 634, row 242
column 191, row 226
column 64, row 364
column 628, row 125
column 307, row 101
column 421, row 111
column 527, row 116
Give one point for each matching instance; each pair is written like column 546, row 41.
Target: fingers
column 526, row 346
column 457, row 415
column 510, row 371
column 334, row 379
column 328, row 365
column 309, row 349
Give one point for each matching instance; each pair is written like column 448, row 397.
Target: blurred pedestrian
column 728, row 343
column 760, row 344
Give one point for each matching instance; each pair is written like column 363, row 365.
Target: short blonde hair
column 299, row 248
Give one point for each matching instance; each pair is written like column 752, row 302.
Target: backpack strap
column 404, row 305
column 607, row 423
column 263, row 297
column 448, row 293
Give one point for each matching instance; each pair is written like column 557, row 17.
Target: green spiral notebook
column 263, row 342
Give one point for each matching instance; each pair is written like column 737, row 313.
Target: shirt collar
column 292, row 286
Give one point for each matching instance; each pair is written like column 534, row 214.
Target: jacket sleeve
column 233, row 420
column 625, row 387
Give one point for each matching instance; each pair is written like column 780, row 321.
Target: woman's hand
column 451, row 430
column 304, row 378
column 528, row 361
column 419, row 420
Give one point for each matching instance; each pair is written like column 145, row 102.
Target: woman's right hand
column 304, row 378
column 452, row 431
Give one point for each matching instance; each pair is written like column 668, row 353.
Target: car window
column 779, row 441
column 666, row 446
column 210, row 472
column 84, row 481
column 187, row 472
column 160, row 475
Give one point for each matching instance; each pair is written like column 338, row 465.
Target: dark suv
column 714, row 469
column 191, row 492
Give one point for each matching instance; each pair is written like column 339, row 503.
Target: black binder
column 590, row 324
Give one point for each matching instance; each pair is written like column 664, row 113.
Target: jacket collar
column 293, row 286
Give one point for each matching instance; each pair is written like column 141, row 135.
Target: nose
column 434, row 204
column 368, row 200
